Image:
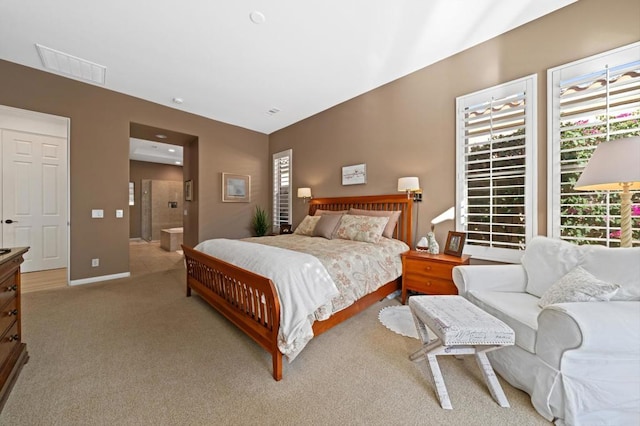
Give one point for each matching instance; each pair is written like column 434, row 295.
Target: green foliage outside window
column 593, row 217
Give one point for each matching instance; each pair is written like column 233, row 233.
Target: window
column 496, row 160
column 281, row 188
column 593, row 100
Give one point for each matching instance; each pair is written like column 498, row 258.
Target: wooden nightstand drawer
column 429, row 273
column 419, row 269
column 433, row 286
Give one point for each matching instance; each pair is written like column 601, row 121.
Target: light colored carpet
column 136, row 351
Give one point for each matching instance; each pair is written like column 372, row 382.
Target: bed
column 250, row 300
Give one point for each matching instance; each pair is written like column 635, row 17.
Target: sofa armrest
column 511, row 278
column 608, row 328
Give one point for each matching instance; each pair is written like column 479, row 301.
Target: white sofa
column 579, row 361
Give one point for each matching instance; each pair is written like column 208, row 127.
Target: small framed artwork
column 188, row 190
column 354, row 175
column 285, row 228
column 455, row 243
column 236, row 188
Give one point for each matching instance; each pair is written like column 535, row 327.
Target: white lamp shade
column 448, row 214
column 408, row 184
column 304, row 192
column 612, row 163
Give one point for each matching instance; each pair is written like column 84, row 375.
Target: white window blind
column 495, row 191
column 591, row 101
column 282, row 188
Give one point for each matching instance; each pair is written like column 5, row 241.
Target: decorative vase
column 434, row 248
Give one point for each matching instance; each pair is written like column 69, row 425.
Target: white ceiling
column 155, row 152
column 306, row 56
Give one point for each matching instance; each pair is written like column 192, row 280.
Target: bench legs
column 490, row 377
column 430, row 351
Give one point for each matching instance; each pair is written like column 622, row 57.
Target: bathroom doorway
column 156, row 201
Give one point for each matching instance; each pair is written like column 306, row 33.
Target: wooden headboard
column 392, row 202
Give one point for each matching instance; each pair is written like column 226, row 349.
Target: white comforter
column 313, row 285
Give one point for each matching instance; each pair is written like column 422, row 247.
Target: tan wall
column 139, row 170
column 407, row 127
column 99, row 163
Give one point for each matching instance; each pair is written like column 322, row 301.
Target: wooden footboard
column 246, row 299
column 250, row 301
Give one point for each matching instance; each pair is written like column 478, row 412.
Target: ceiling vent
column 71, row 66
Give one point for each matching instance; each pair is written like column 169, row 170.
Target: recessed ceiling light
column 172, row 150
column 161, row 136
column 177, row 100
column 178, row 162
column 257, row 17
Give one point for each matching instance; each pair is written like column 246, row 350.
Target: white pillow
column 578, row 286
column 546, row 260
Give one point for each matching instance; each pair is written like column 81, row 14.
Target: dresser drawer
column 8, row 342
column 419, row 269
column 8, row 289
column 432, row 286
column 8, row 314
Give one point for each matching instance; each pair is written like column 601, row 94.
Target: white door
column 34, row 198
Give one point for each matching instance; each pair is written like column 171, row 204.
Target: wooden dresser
column 429, row 273
column 13, row 352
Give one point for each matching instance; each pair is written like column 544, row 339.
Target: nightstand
column 429, row 273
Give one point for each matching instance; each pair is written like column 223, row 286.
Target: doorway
column 157, row 178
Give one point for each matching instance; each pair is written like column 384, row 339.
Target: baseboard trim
column 100, row 278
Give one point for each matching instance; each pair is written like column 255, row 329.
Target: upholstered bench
column 461, row 329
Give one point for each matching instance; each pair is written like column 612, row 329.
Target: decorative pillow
column 307, row 226
column 321, row 212
column 326, row 226
column 361, row 228
column 578, row 286
column 546, row 260
column 391, row 224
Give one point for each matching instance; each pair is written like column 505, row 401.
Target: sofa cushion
column 546, row 260
column 518, row 310
column 578, row 285
column 615, row 265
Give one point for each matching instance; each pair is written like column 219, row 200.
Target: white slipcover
column 579, row 361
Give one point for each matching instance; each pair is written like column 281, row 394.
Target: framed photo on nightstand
column 455, row 243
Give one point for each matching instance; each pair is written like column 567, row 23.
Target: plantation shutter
column 282, row 188
column 495, row 153
column 593, row 101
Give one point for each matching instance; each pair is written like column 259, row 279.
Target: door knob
column 9, row 221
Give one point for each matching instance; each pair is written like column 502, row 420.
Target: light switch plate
column 97, row 213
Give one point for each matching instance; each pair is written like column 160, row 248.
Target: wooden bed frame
column 250, row 301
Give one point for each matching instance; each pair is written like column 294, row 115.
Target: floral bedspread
column 357, row 268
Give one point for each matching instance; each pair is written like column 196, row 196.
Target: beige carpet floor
column 136, row 351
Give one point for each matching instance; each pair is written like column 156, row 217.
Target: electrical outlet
column 95, row 262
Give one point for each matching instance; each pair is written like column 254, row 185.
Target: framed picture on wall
column 354, row 175
column 188, row 190
column 236, row 188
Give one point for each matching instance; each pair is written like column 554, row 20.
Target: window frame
column 276, row 185
column 567, row 72
column 529, row 85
